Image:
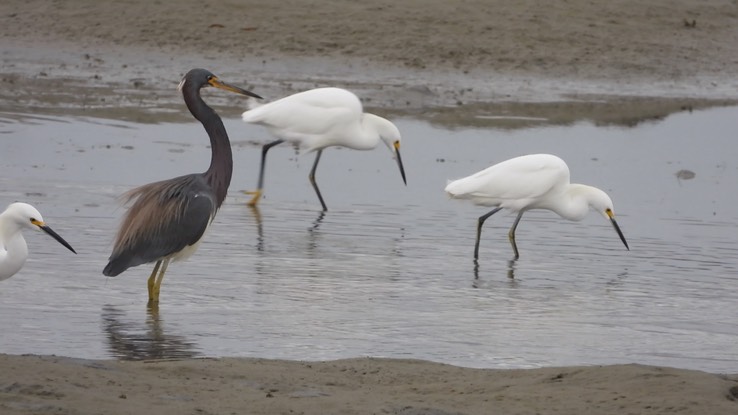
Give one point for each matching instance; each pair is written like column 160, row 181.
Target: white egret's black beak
column 53, row 234
column 399, row 161
column 617, row 228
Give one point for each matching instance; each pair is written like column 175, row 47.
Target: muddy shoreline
column 460, row 65
column 353, row 386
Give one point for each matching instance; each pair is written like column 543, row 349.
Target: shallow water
column 388, row 270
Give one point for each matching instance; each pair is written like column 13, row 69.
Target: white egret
column 536, row 181
column 320, row 118
column 13, row 248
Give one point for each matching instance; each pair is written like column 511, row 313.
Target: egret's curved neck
column 218, row 175
column 368, row 135
column 13, row 248
column 574, row 202
column 9, row 229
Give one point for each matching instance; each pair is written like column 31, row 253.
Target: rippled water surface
column 388, row 270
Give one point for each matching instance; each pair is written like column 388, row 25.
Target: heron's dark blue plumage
column 169, row 216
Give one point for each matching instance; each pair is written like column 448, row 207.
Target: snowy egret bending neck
column 321, row 118
column 536, row 181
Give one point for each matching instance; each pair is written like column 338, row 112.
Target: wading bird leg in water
column 480, row 222
column 312, row 179
column 511, row 236
column 259, row 188
column 159, row 279
column 152, row 280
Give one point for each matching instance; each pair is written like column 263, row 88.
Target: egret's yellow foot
column 254, row 200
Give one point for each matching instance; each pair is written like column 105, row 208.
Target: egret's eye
column 33, row 220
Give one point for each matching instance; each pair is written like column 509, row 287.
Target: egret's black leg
column 511, row 235
column 480, row 222
column 260, row 186
column 312, row 179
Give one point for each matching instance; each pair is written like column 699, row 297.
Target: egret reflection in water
column 510, row 271
column 259, row 227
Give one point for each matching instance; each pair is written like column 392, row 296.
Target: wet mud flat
column 562, row 62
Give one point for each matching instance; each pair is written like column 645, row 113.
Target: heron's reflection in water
column 128, row 340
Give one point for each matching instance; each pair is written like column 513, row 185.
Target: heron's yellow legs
column 155, row 280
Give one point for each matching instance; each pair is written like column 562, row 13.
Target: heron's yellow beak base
column 217, row 83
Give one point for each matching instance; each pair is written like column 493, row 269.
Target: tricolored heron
column 321, row 118
column 535, row 181
column 168, row 218
column 13, row 248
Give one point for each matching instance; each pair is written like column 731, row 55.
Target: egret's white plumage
column 536, row 181
column 320, row 118
column 13, row 248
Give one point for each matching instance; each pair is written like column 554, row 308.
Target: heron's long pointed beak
column 214, row 81
column 617, row 228
column 399, row 161
column 53, row 234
